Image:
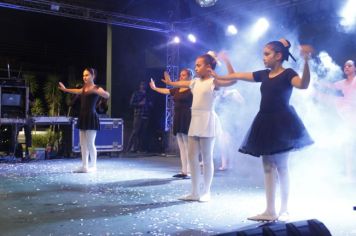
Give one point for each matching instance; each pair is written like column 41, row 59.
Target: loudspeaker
column 311, row 227
column 8, row 142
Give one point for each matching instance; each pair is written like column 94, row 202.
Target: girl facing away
column 88, row 119
column 204, row 125
column 276, row 130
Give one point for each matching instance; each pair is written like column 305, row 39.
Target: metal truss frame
column 173, row 70
column 83, row 13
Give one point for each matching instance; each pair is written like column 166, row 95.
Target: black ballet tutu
column 88, row 121
column 275, row 132
column 181, row 120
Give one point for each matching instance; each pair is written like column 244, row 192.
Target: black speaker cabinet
column 311, row 227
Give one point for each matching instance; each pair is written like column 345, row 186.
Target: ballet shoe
column 180, row 175
column 222, row 168
column 189, row 197
column 284, row 216
column 81, row 170
column 263, row 217
column 205, row 198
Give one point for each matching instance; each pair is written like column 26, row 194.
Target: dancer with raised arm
column 182, row 98
column 204, row 125
column 88, row 120
column 276, row 129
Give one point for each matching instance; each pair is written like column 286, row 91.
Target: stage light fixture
column 348, row 14
column 192, row 38
column 176, row 39
column 206, row 3
column 231, row 30
column 259, row 28
column 262, row 24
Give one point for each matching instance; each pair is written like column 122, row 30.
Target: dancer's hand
column 61, row 86
column 306, row 51
column 224, row 56
column 167, row 78
column 152, row 84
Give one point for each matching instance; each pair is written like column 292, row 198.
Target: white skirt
column 204, row 124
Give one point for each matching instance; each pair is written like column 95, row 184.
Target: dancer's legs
column 84, row 149
column 275, row 166
column 207, row 147
column 270, row 174
column 91, row 134
column 224, row 144
column 281, row 161
column 193, row 158
column 182, row 140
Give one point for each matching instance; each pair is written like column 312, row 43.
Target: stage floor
column 136, row 195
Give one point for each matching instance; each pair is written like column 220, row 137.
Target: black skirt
column 88, row 121
column 275, row 132
column 181, row 120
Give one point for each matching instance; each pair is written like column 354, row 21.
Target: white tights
column 182, row 140
column 87, row 145
column 276, row 167
column 204, row 147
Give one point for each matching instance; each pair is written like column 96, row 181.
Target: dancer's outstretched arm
column 159, row 90
column 181, row 84
column 303, row 83
column 225, row 83
column 247, row 76
column 69, row 90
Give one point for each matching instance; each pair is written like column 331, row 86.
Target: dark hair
column 189, row 71
column 92, row 71
column 209, row 60
column 278, row 46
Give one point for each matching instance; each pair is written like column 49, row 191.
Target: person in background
column 341, row 95
column 141, row 103
column 231, row 127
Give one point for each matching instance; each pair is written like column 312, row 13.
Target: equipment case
column 108, row 139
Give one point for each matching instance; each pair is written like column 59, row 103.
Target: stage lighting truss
column 206, row 3
column 83, row 13
column 173, row 70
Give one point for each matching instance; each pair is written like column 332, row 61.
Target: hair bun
column 285, row 42
column 213, row 55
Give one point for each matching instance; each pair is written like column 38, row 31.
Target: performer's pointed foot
column 263, row 217
column 189, row 197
